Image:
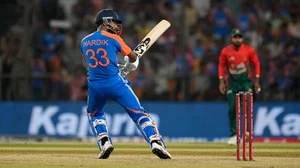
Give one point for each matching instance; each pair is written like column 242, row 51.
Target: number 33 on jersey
column 99, row 51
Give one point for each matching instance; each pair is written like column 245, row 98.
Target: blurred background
column 40, row 47
column 41, row 65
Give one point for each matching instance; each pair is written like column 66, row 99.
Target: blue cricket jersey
column 99, row 51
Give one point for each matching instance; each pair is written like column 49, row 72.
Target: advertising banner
column 176, row 121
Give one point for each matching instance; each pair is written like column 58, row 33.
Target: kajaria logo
column 57, row 123
column 276, row 122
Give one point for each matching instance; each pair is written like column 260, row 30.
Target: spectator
column 222, row 20
column 272, row 28
column 71, row 55
column 6, row 66
column 56, row 71
column 38, row 74
column 50, row 42
column 78, row 90
column 246, row 20
column 294, row 27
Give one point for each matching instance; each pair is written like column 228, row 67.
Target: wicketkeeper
column 236, row 58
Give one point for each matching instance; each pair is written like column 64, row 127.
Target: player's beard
column 237, row 44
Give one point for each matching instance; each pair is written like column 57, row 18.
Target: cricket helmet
column 105, row 15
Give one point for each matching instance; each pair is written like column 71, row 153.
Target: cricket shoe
column 160, row 151
column 107, row 149
column 232, row 140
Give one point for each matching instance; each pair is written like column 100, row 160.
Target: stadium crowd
column 40, row 57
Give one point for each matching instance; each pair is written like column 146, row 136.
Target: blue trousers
column 117, row 89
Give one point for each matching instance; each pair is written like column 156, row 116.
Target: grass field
column 130, row 155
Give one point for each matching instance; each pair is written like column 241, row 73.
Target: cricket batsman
column 236, row 58
column 105, row 82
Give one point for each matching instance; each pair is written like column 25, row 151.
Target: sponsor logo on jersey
column 231, row 58
column 244, row 58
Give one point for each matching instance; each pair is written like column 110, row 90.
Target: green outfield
column 138, row 155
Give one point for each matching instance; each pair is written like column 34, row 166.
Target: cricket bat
column 151, row 37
